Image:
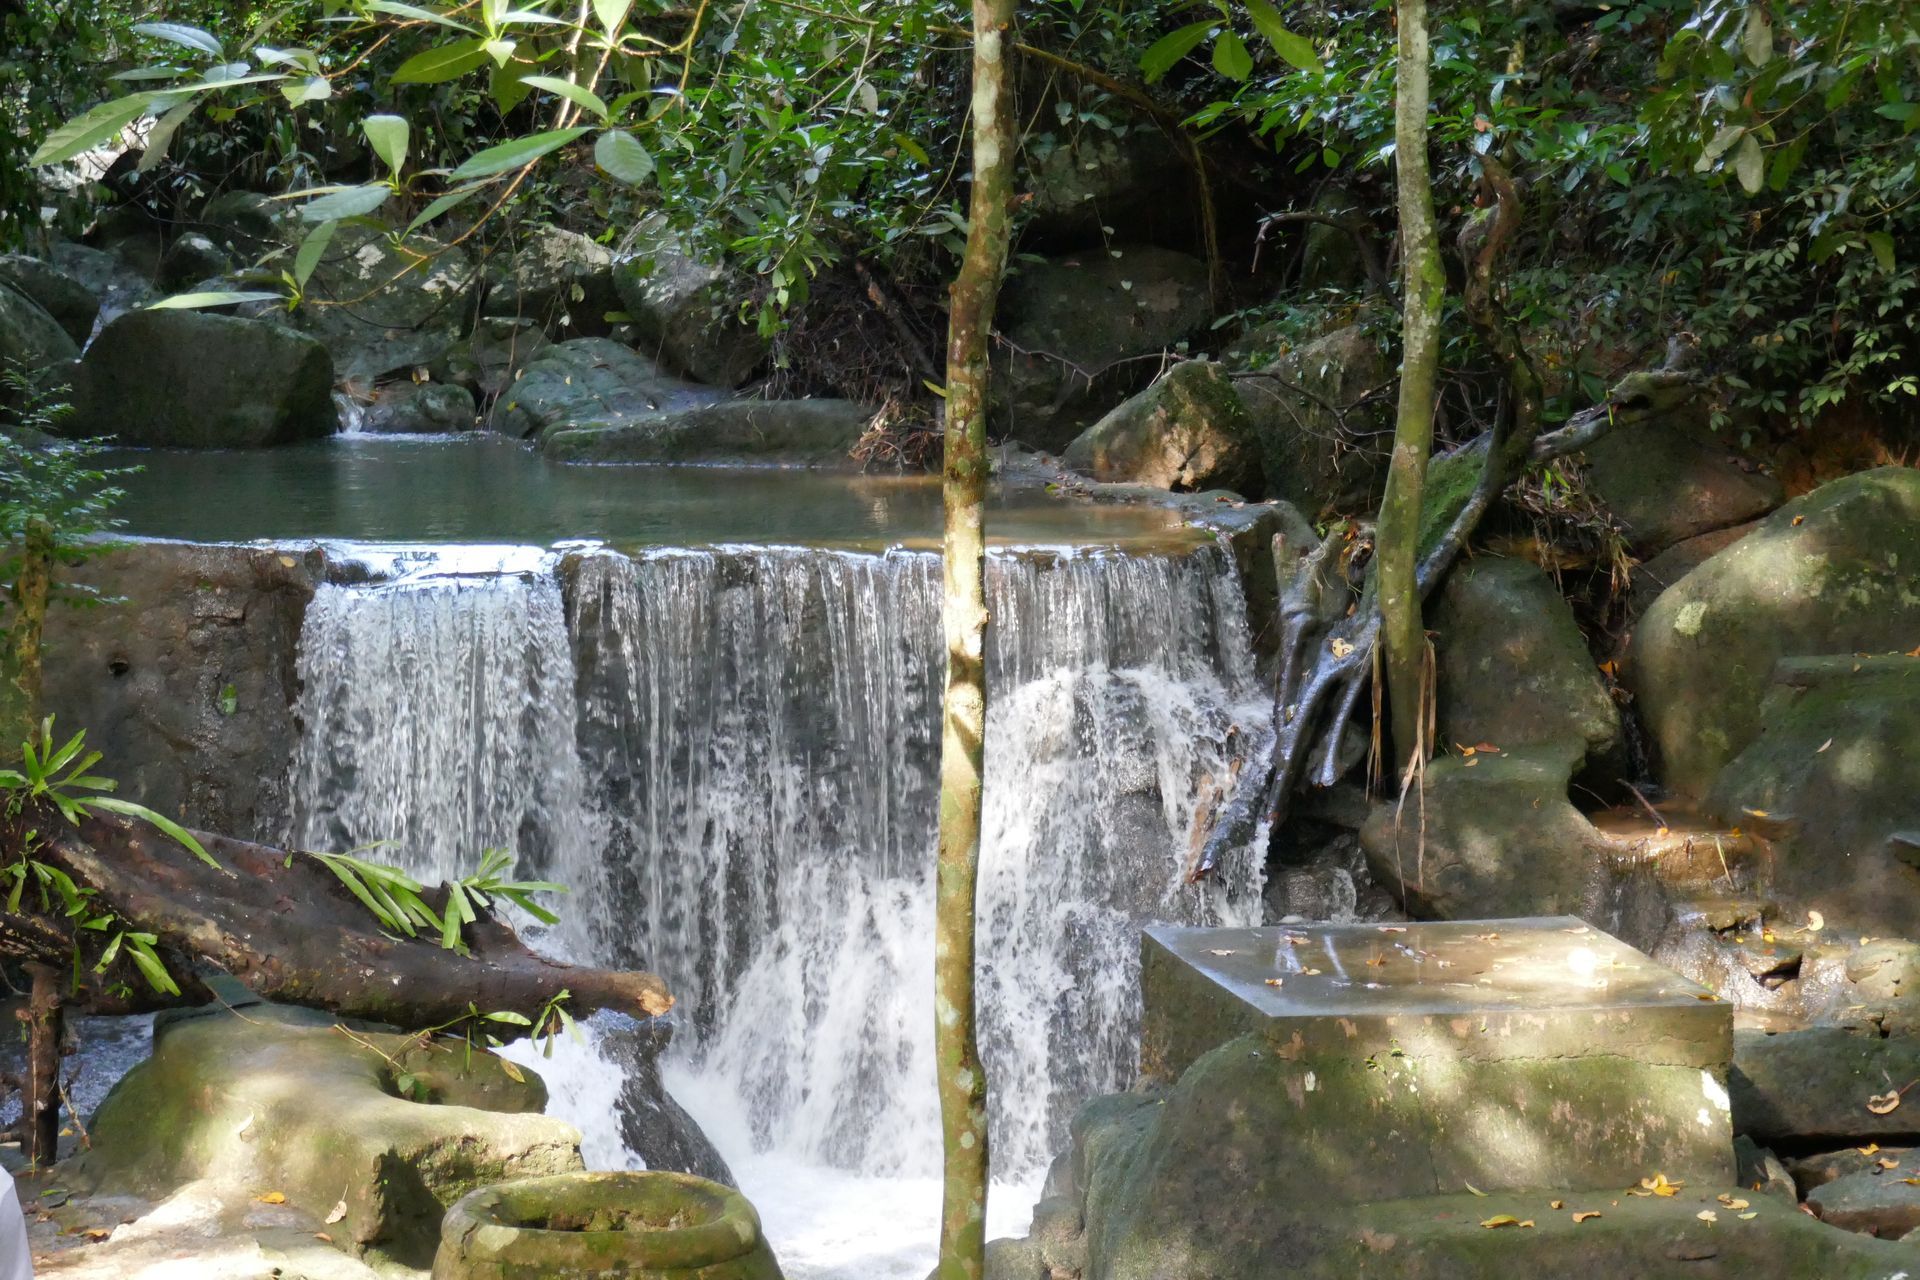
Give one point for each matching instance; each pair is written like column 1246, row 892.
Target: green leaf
column 506, row 87
column 388, row 136
column 1721, row 142
column 440, row 206
column 580, row 97
column 380, row 910
column 352, row 202
column 1231, row 57
column 414, row 12
column 1749, row 164
column 181, row 34
column 113, row 949
column 90, row 129
column 519, row 152
column 509, row 1017
column 1882, row 245
column 1295, row 50
column 156, row 973
column 623, row 157
column 168, row 826
column 230, row 696
column 312, row 89
column 1163, row 53
column 612, row 14
column 212, row 298
column 500, row 50
column 1756, row 41
column 311, row 250
column 436, row 66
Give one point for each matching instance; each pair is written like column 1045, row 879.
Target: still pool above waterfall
column 493, row 490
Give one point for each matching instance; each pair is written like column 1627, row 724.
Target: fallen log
column 283, row 925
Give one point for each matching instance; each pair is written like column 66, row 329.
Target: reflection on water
column 488, row 489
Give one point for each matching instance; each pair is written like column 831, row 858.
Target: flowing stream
column 730, row 753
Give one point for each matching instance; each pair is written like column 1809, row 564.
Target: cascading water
column 751, row 735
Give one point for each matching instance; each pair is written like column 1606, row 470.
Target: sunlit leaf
column 1294, row 49
column 437, row 65
column 100, row 124
column 519, row 152
column 580, row 97
column 623, row 157
column 181, row 34
column 1231, row 58
column 351, row 202
column 388, row 136
column 1163, row 53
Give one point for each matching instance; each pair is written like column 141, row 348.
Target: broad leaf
column 160, row 137
column 436, row 66
column 310, row 252
column 388, row 137
column 312, row 89
column 623, row 157
column 168, row 826
column 1293, row 49
column 1749, row 164
column 1161, row 56
column 519, row 152
column 179, row 33
column 1231, row 57
column 96, row 126
column 579, row 96
column 612, row 15
column 417, row 14
column 440, row 206
column 353, row 202
column 1882, row 245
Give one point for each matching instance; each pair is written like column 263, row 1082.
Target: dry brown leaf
column 1748, row 1217
column 339, row 1212
column 1707, row 1215
column 1556, row 1204
column 1477, row 1191
column 1871, row 1149
column 1815, row 922
column 1311, row 973
column 1912, row 1182
column 321, row 1235
column 1657, row 1185
column 1823, row 746
column 1730, row 1201
column 1582, row 1217
column 1341, row 648
column 96, row 1233
column 1883, row 1104
column 1885, row 1163
column 1275, row 982
column 1393, row 928
column 1500, row 1220
column 1216, row 951
column 272, row 1197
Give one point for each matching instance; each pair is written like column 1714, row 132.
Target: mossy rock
column 1670, row 479
column 1321, row 423
column 1514, row 669
column 29, row 337
column 1836, row 571
column 70, row 303
column 687, row 312
column 1187, row 432
column 189, row 380
column 761, row 432
column 371, row 1130
column 1832, row 778
column 587, row 380
column 609, row 1226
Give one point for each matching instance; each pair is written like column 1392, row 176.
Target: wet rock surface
column 1188, row 431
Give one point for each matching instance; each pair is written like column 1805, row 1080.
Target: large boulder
column 118, row 286
column 1651, row 577
column 373, row 1132
column 588, row 380
column 1809, row 1089
column 69, row 302
column 184, row 379
column 756, row 432
column 1324, row 422
column 380, row 308
column 1081, row 331
column 687, row 311
column 190, row 259
column 1186, row 432
column 30, row 339
column 1669, row 479
column 1832, row 572
column 1514, row 668
column 492, row 357
column 559, row 279
column 187, row 680
column 1491, row 835
column 1834, row 780
column 1092, row 184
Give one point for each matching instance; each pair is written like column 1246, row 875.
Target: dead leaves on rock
column 1657, row 1185
column 1884, row 1104
column 1499, row 1220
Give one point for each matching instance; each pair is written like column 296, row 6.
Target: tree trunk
column 1425, row 285
column 40, row 1099
column 31, row 590
column 962, row 1078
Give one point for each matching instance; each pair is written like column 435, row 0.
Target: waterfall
column 736, row 749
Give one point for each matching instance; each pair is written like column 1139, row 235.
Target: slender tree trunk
column 31, row 591
column 40, row 1100
column 1425, row 287
column 962, row 1079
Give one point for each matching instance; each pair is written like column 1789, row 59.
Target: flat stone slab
column 1549, row 986
column 1416, row 1059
